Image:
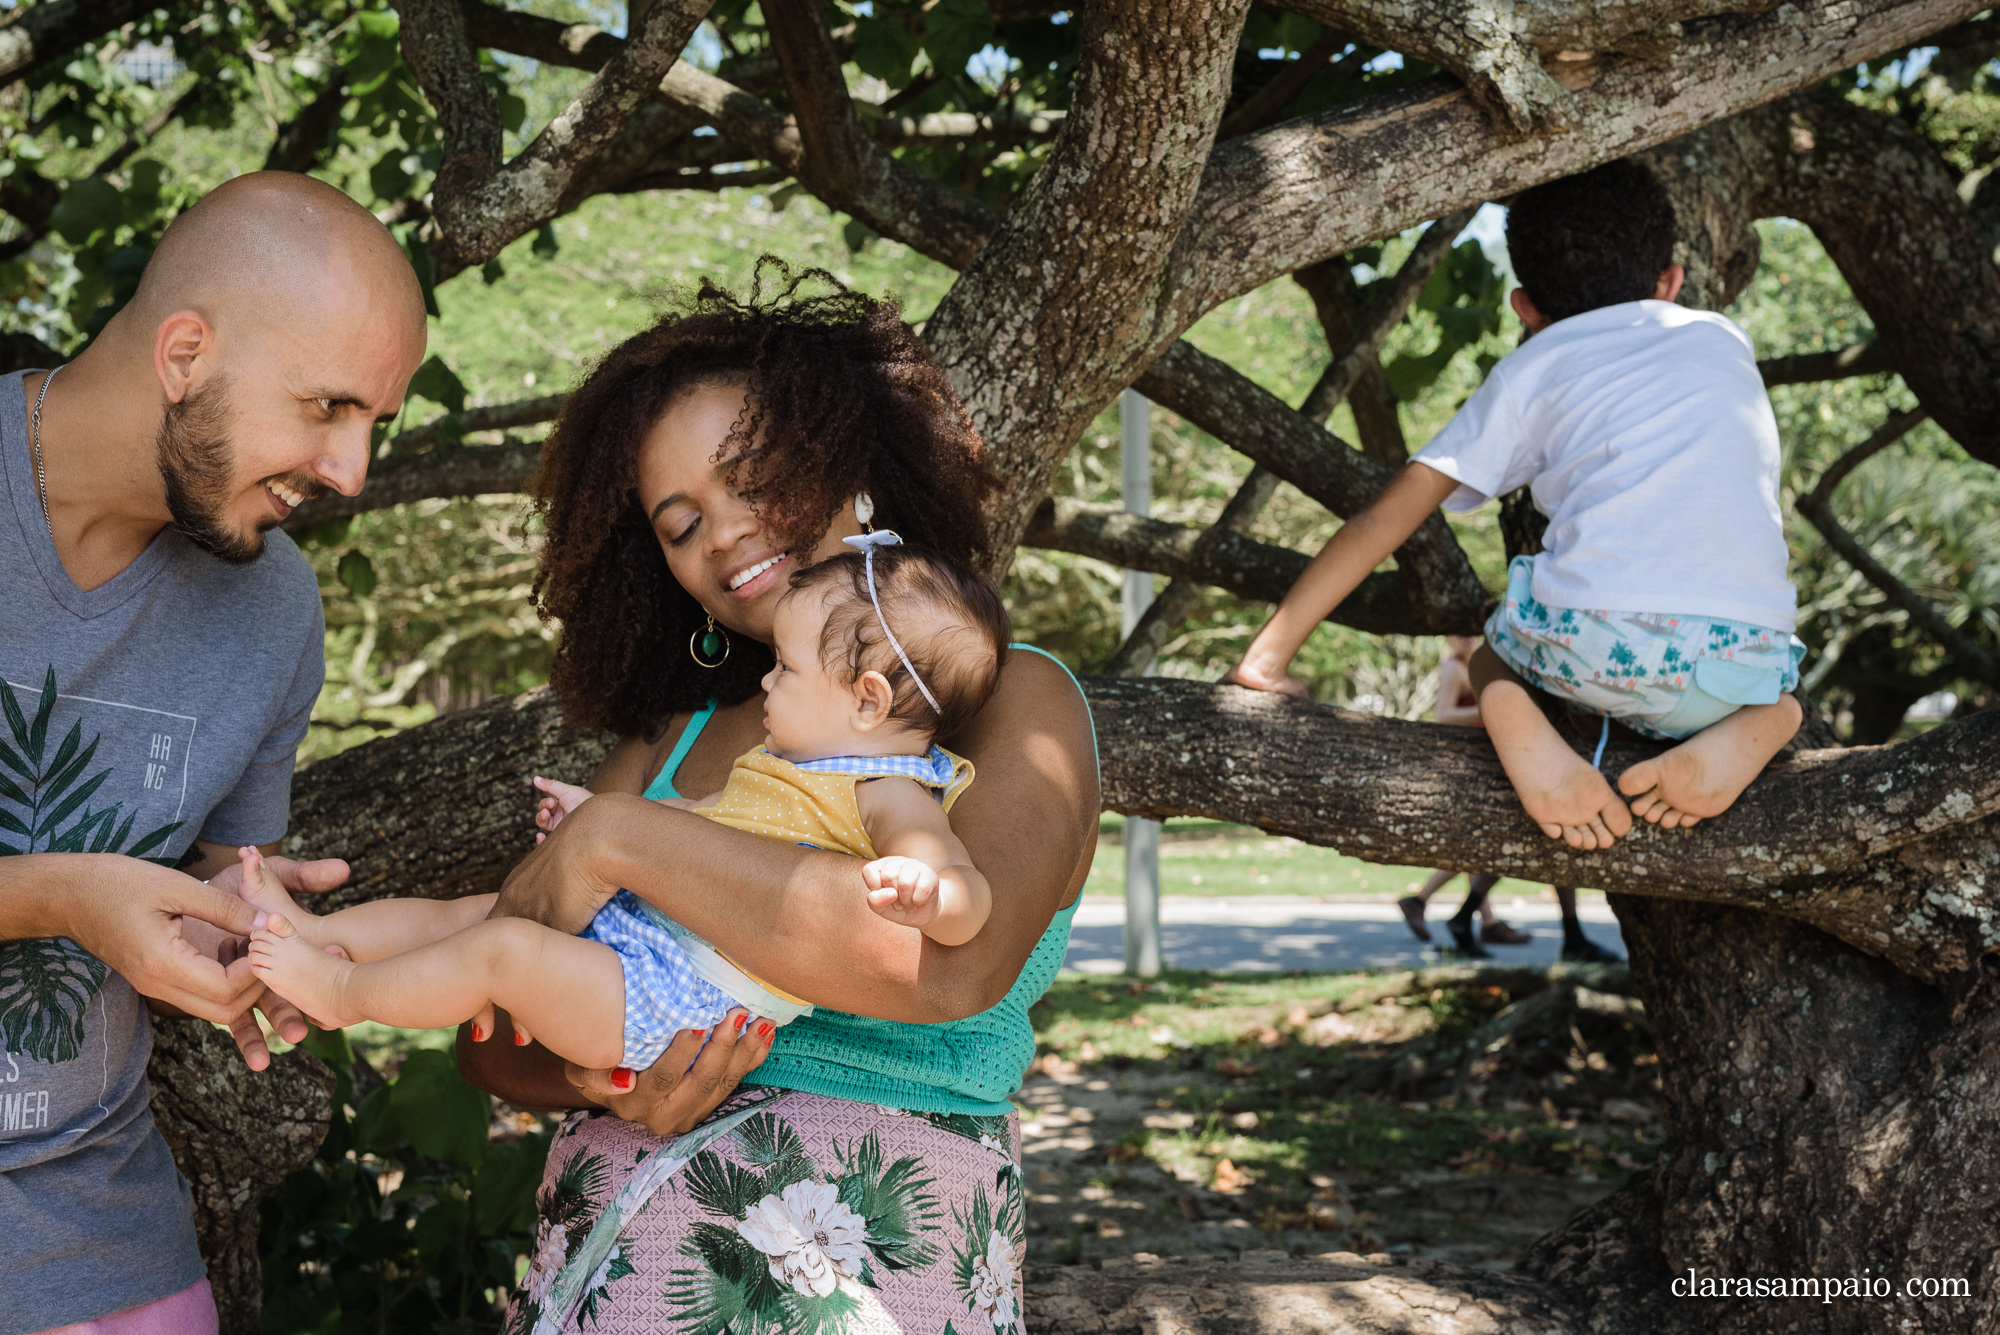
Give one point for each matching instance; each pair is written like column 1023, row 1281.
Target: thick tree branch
column 482, row 206
column 1164, row 615
column 1254, row 571
column 1263, row 105
column 1274, row 202
column 1250, row 419
column 1879, row 846
column 1060, row 307
column 1497, row 51
column 1817, row 506
column 448, row 471
column 1337, row 300
column 1862, row 843
column 1835, row 364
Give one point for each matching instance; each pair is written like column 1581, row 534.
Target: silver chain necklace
column 41, row 468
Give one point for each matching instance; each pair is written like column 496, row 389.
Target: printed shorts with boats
column 1658, row 673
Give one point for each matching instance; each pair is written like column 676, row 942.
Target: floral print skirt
column 808, row 1214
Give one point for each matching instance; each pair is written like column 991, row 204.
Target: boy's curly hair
column 1595, row 239
column 948, row 619
column 841, row 398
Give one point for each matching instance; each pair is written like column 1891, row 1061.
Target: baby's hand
column 562, row 799
column 903, row 890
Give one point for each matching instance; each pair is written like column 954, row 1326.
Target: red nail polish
column 520, row 1039
column 766, row 1029
column 741, row 1020
column 478, row 1034
column 621, row 1078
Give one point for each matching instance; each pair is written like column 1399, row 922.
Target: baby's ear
column 874, row 697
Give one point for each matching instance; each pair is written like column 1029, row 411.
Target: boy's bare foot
column 263, row 890
column 1705, row 774
column 1565, row 796
column 301, row 973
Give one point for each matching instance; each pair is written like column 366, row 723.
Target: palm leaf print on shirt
column 45, row 807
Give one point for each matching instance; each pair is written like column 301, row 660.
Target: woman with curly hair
column 865, row 1177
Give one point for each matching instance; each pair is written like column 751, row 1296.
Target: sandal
column 1497, row 933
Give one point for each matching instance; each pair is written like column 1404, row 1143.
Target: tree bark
column 1827, row 1117
column 235, row 1134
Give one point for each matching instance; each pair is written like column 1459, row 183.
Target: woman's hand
column 673, row 1097
column 557, row 885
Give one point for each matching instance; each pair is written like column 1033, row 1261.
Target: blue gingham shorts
column 1658, row 673
column 663, row 993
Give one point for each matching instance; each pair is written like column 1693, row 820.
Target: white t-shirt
column 1646, row 437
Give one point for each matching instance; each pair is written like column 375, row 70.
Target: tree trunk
column 1828, row 1118
column 235, row 1135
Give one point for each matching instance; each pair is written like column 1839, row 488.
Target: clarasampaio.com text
column 1874, row 1288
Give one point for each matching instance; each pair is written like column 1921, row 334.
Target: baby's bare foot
column 1558, row 788
column 263, row 889
column 302, row 973
column 1705, row 774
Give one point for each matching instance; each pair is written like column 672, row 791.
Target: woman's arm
column 799, row 917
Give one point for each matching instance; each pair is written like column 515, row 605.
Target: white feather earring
column 864, row 510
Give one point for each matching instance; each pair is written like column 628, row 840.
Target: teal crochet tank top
column 961, row 1066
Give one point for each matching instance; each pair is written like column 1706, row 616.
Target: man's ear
column 874, row 697
column 182, row 342
column 1669, row 286
column 1524, row 306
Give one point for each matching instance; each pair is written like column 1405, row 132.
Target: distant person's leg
column 1461, row 922
column 1413, row 906
column 1578, row 948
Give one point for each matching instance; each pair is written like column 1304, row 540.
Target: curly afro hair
column 1598, row 238
column 841, row 398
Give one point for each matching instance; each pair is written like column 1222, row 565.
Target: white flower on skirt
column 993, row 1282
column 551, row 1245
column 809, row 1239
column 988, row 1141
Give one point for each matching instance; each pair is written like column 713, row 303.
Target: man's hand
column 140, row 919
column 679, row 1091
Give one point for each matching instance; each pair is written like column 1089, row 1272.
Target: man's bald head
column 279, row 247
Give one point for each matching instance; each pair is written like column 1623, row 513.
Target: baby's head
column 1598, row 238
column 840, row 688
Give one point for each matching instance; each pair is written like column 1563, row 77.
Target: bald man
column 160, row 652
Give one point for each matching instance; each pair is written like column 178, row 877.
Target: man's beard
column 197, row 465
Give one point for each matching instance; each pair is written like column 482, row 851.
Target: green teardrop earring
column 710, row 643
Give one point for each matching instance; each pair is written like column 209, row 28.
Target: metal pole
column 1142, row 837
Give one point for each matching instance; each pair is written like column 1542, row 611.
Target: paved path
column 1274, row 933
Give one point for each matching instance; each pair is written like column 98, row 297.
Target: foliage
column 410, row 1217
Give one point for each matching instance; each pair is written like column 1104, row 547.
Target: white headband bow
column 866, row 543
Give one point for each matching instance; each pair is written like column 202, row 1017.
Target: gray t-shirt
column 163, row 706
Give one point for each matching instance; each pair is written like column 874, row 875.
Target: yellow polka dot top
column 816, row 803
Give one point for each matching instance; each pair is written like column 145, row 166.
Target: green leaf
column 357, row 572
column 426, row 267
column 884, row 48
column 376, row 1127
column 503, row 1190
column 89, row 206
column 492, row 271
column 440, row 384
column 17, row 724
column 151, row 841
column 954, row 32
column 723, row 1187
column 441, row 1115
column 324, row 535
column 545, row 244
column 38, row 731
column 11, row 759
column 330, row 1046
column 55, row 787
column 117, row 840
column 13, row 824
column 45, row 989
column 72, row 802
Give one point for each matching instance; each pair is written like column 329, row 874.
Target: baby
column 1661, row 600
column 879, row 653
